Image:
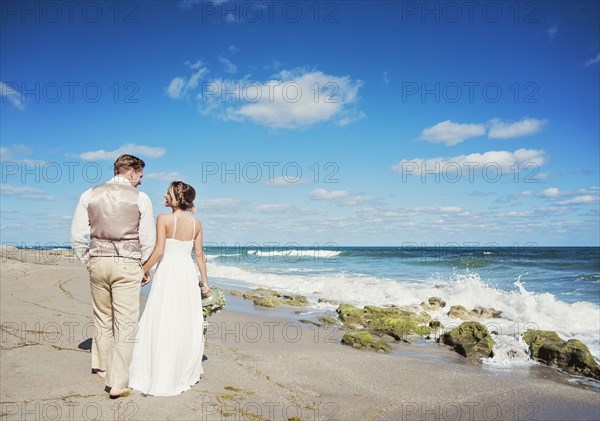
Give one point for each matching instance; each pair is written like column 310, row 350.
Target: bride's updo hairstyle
column 183, row 195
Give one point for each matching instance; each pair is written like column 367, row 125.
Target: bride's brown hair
column 183, row 195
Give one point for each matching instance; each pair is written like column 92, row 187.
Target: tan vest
column 114, row 221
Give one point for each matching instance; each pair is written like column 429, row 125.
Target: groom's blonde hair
column 126, row 162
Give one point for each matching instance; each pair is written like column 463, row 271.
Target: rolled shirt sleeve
column 80, row 228
column 147, row 230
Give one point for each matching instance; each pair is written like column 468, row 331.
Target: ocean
column 549, row 288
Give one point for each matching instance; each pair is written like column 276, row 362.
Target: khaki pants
column 115, row 283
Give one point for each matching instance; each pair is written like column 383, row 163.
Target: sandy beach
column 260, row 365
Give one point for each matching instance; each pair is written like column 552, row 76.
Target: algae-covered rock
column 360, row 340
column 436, row 302
column 266, row 302
column 269, row 298
column 352, row 317
column 571, row 356
column 471, row 339
column 397, row 322
column 486, row 312
column 325, row 300
column 459, row 312
column 235, row 292
column 295, row 300
column 309, row 322
column 436, row 325
column 328, row 321
column 397, row 327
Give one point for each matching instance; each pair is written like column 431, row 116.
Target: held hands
column 146, row 278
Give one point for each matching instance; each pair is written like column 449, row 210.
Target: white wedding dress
column 167, row 356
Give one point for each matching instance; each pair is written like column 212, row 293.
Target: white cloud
column 9, row 153
column 291, row 99
column 444, row 210
column 298, row 98
column 505, row 130
column 176, row 87
column 229, row 66
column 12, row 95
column 450, row 133
column 341, row 197
column 165, row 176
column 551, row 192
column 233, row 49
column 284, row 181
column 218, row 203
column 273, row 208
column 593, row 60
column 322, row 194
column 385, row 77
column 180, row 87
column 579, row 200
column 130, row 148
column 496, row 163
column 24, row 192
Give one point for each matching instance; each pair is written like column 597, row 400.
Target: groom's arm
column 80, row 228
column 147, row 230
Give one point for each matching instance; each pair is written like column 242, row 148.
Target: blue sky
column 349, row 123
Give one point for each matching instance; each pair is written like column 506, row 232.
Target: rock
column 393, row 321
column 309, row 322
column 328, row 321
column 295, row 300
column 436, row 302
column 360, row 340
column 471, row 340
column 351, row 316
column 436, row 325
column 459, row 312
column 571, row 356
column 325, row 300
column 396, row 327
column 235, row 292
column 266, row 302
column 269, row 298
column 486, row 312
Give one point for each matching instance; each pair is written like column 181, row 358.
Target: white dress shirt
column 80, row 227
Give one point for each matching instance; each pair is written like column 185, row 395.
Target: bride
column 167, row 355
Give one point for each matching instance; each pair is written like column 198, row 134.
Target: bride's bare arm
column 200, row 259
column 159, row 248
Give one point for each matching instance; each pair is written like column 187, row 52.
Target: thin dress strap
column 194, row 229
column 175, row 226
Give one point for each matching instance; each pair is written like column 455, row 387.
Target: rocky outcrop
column 471, row 340
column 571, row 356
column 460, row 312
column 362, row 340
column 433, row 303
column 396, row 322
column 264, row 297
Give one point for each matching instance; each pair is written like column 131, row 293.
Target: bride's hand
column 206, row 291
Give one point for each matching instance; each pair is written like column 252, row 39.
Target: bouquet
column 214, row 303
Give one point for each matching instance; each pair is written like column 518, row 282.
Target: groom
column 118, row 219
